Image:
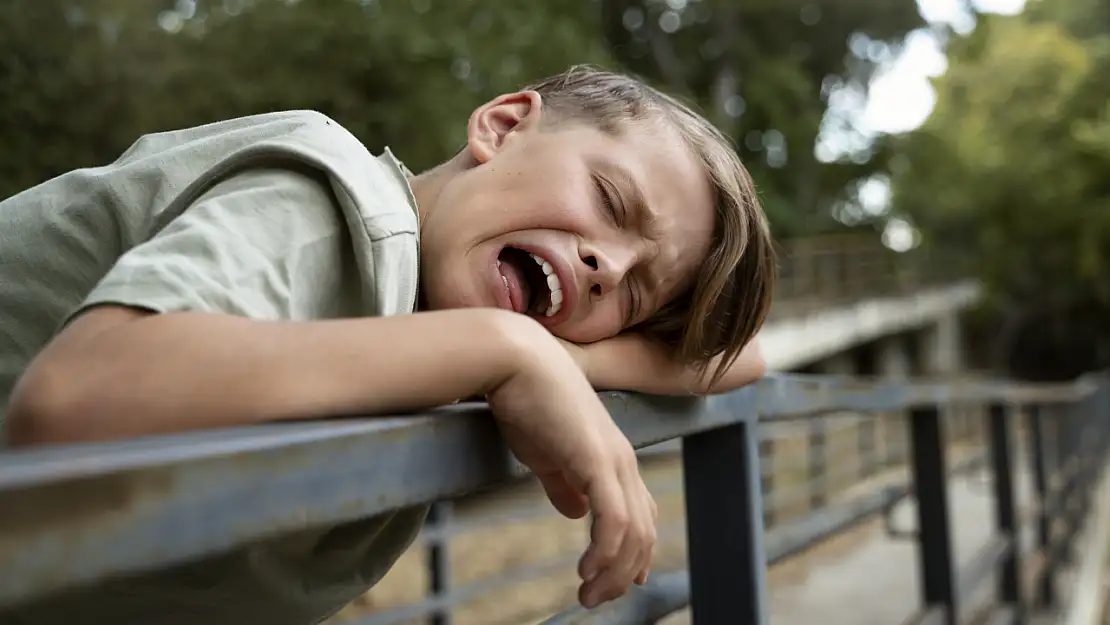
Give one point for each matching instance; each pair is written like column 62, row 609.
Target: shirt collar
column 402, row 174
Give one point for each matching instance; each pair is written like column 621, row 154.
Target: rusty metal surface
column 72, row 514
column 642, row 605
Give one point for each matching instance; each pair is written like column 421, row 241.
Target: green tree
column 1013, row 170
column 763, row 71
column 86, row 77
column 66, row 85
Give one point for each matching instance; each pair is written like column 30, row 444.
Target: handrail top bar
column 775, row 397
column 76, row 513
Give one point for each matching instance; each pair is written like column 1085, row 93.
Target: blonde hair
column 729, row 303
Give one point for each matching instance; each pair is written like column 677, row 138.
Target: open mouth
column 531, row 282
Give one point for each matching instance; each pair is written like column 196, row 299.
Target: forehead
column 652, row 158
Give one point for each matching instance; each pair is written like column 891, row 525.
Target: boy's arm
column 119, row 372
column 632, row 362
column 191, row 329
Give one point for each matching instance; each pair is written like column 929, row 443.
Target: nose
column 606, row 268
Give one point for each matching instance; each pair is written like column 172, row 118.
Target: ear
column 497, row 121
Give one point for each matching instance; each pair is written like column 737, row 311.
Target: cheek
column 602, row 321
column 557, row 211
column 552, row 203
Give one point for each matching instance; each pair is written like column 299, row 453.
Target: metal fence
column 76, row 515
column 816, row 273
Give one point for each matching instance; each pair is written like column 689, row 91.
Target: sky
column 901, row 98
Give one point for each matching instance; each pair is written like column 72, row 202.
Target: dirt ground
column 495, row 542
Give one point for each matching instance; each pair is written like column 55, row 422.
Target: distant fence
column 816, row 273
column 55, row 532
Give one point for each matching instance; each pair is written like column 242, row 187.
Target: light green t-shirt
column 277, row 216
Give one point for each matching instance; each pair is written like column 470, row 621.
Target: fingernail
column 591, row 575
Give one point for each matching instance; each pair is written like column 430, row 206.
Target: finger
column 637, row 549
column 645, row 568
column 650, row 559
column 568, row 500
column 615, row 580
column 609, row 525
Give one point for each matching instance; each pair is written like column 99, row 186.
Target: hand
column 555, row 424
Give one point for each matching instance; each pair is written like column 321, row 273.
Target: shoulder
column 374, row 186
column 373, row 195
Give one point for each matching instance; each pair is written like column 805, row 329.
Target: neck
column 428, row 185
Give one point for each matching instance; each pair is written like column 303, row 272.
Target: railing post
column 1103, row 417
column 930, row 484
column 724, row 525
column 896, row 435
column 1065, row 437
column 1001, row 450
column 767, row 473
column 867, row 445
column 439, row 567
column 1039, row 459
column 816, row 448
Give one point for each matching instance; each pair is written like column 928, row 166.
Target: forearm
column 174, row 372
column 630, row 363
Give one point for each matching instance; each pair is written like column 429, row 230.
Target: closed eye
column 633, row 303
column 607, row 200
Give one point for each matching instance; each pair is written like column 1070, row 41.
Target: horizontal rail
column 78, row 513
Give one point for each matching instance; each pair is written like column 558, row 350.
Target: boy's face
column 589, row 233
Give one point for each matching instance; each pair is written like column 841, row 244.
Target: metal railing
column 816, row 273
column 76, row 515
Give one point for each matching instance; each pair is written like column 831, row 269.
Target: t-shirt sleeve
column 265, row 244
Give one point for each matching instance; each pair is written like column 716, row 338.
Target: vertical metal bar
column 767, row 473
column 440, row 516
column 1085, row 451
column 867, row 445
column 930, row 483
column 1039, row 459
column 891, row 438
column 1065, row 436
column 901, row 441
column 1103, row 418
column 816, row 447
column 1082, row 455
column 1001, row 451
column 724, row 526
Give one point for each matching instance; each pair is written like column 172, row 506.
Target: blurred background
column 979, row 126
column 950, row 156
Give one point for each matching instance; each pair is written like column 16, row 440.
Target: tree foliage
column 1013, row 168
column 81, row 79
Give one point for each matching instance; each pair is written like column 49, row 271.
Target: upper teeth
column 553, row 285
column 555, row 302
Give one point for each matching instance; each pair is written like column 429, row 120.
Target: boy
column 270, row 268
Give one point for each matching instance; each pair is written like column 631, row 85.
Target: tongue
column 520, row 292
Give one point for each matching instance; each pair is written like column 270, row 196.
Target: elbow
column 748, row 368
column 758, row 363
column 61, row 394
column 42, row 409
